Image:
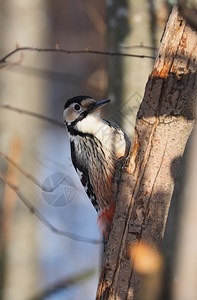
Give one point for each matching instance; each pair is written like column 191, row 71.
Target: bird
column 96, row 145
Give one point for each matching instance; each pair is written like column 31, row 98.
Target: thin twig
column 84, row 51
column 63, row 284
column 140, row 46
column 43, row 220
column 29, row 176
column 32, row 114
column 94, row 15
column 44, row 160
column 53, row 75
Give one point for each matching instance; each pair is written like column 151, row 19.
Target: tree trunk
column 25, row 23
column 185, row 260
column 164, row 122
column 127, row 76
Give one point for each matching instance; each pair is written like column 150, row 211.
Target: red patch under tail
column 105, row 219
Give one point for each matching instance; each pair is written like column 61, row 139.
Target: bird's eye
column 77, row 107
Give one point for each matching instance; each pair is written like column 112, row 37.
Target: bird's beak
column 100, row 103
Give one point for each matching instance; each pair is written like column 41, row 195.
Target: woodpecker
column 96, row 145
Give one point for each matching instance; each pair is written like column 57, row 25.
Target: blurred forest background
column 33, row 259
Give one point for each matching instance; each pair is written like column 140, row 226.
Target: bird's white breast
column 111, row 138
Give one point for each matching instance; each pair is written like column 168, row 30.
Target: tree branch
column 63, row 284
column 164, row 122
column 32, row 114
column 30, row 177
column 43, row 220
column 84, row 51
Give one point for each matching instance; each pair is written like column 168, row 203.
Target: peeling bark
column 164, row 122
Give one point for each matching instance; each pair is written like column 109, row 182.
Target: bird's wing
column 84, row 177
column 127, row 139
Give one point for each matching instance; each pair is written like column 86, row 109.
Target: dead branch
column 3, row 60
column 164, row 122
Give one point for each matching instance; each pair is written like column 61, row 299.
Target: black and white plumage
column 96, row 145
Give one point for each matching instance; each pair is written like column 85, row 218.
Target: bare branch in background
column 32, row 114
column 63, row 284
column 3, row 60
column 140, row 46
column 43, row 220
column 72, row 79
column 29, row 176
column 93, row 14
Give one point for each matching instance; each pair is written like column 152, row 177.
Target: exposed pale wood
column 164, row 122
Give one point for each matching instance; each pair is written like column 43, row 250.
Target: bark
column 188, row 9
column 164, row 122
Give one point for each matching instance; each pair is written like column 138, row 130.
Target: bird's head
column 78, row 108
